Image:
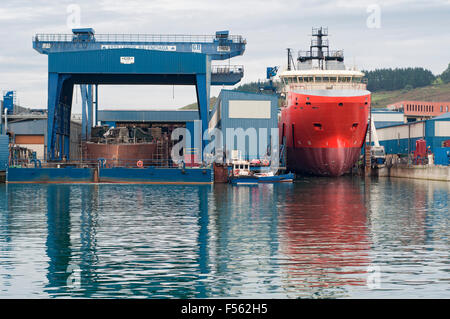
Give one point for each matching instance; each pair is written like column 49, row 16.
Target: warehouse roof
column 445, row 116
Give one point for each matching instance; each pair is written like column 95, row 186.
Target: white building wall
column 442, row 128
column 401, row 131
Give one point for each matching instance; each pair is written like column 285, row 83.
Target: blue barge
column 149, row 175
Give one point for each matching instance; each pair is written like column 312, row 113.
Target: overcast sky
column 407, row 33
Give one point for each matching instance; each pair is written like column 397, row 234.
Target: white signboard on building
column 244, row 109
column 127, row 59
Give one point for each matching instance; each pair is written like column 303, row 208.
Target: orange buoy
column 140, row 163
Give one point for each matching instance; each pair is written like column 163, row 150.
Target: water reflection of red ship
column 325, row 235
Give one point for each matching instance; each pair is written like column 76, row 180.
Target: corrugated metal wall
column 236, row 126
column 401, row 138
column 4, row 152
column 75, row 141
column 145, row 62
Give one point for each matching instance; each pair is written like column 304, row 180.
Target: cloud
column 412, row 33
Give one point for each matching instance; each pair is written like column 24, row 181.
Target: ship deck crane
column 377, row 152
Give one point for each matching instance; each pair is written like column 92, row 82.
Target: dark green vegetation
column 398, row 79
column 445, row 76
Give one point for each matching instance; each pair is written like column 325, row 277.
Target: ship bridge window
column 344, row 79
column 356, row 80
column 319, row 79
column 333, row 79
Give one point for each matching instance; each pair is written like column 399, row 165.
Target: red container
column 446, row 143
column 421, row 152
column 421, row 149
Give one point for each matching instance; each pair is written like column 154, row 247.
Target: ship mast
column 290, row 60
column 319, row 49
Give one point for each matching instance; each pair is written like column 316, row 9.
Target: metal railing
column 128, row 163
column 324, row 31
column 227, row 69
column 314, row 54
column 328, row 85
column 133, row 38
column 107, row 163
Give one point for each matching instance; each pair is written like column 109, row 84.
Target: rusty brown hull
column 220, row 173
column 121, row 154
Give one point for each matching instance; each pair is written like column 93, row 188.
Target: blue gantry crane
column 88, row 59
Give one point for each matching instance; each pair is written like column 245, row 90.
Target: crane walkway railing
column 225, row 69
column 134, row 38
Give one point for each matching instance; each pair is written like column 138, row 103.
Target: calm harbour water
column 317, row 238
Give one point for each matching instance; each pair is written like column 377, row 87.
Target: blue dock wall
column 150, row 175
column 156, row 175
column 50, row 175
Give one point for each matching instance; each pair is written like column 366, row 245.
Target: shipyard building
column 401, row 139
column 247, row 122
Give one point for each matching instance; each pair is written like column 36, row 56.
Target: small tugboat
column 243, row 175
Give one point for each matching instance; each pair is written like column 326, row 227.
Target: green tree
column 445, row 76
column 397, row 79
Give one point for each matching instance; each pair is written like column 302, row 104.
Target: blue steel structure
column 136, row 116
column 84, row 58
column 271, row 72
column 9, row 99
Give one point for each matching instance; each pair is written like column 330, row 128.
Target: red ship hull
column 324, row 130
